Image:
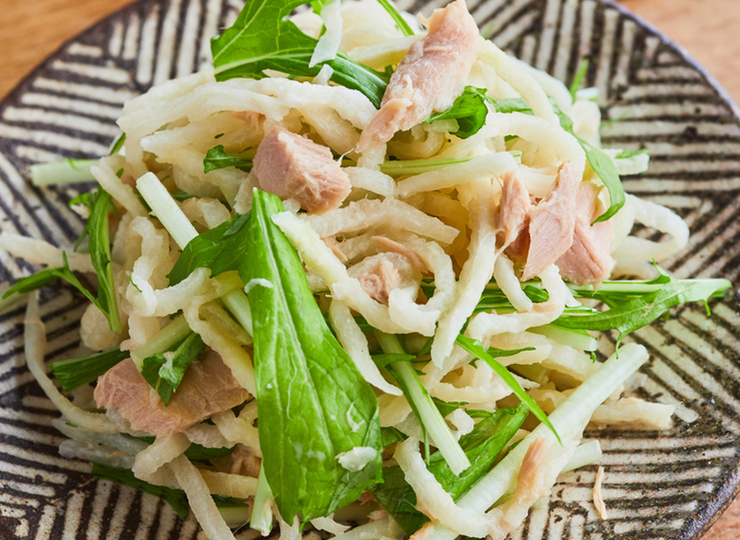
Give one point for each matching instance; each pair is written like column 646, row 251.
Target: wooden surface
column 30, row 30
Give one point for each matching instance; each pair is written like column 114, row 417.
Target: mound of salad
column 360, row 277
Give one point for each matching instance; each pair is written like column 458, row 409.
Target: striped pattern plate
column 658, row 485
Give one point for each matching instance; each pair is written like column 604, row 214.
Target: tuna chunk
column 512, row 213
column 551, row 223
column 381, row 273
column 397, row 247
column 291, row 166
column 206, row 389
column 588, row 259
column 430, row 77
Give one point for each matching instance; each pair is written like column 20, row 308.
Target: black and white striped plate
column 658, row 485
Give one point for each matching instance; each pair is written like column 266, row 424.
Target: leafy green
column 627, row 154
column 482, row 446
column 74, row 372
column 447, row 407
column 604, row 167
column 313, row 404
column 174, row 497
column 390, row 435
column 220, row 249
column 385, row 359
column 634, row 313
column 575, row 86
column 99, row 246
column 262, row 38
column 164, row 371
column 48, row 276
column 401, row 24
column 475, row 348
column 218, row 158
column 469, row 109
column 117, row 144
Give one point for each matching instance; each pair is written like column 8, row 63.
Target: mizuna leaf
column 482, row 446
column 74, row 372
column 263, row 38
column 476, row 349
column 164, row 371
column 313, row 404
column 218, row 158
column 220, row 249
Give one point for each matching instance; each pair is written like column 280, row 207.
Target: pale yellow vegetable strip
column 34, row 340
column 199, row 498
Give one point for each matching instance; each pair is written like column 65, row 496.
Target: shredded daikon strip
column 480, row 168
column 659, row 218
column 328, row 524
column 521, row 80
column 237, row 430
column 474, row 276
column 34, row 341
column 199, row 499
column 162, row 451
column 123, row 193
column 485, row 325
column 229, row 485
column 355, row 343
column 328, row 45
column 230, row 350
column 598, row 497
column 431, row 496
column 41, row 252
column 390, row 213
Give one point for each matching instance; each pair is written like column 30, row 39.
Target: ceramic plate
column 658, row 485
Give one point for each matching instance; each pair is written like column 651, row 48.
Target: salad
column 350, row 279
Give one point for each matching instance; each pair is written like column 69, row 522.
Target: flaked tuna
column 295, row 167
column 588, row 259
column 382, row 273
column 206, row 389
column 430, row 77
column 513, row 210
column 551, row 223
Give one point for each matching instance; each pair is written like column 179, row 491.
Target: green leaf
column 604, row 167
column 475, row 348
column 164, row 371
column 482, row 446
column 218, row 158
column 262, row 38
column 220, row 249
column 74, row 372
column 118, row 144
column 174, row 497
column 627, row 154
column 637, row 312
column 447, row 407
column 578, row 79
column 390, row 435
column 48, row 276
column 469, row 109
column 401, row 24
column 99, row 246
column 313, row 404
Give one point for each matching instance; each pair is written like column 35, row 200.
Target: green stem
column 261, row 519
column 162, row 341
column 71, row 171
column 420, row 400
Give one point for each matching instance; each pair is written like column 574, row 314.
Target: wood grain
column 31, row 30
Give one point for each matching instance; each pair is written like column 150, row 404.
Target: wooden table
column 30, row 30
